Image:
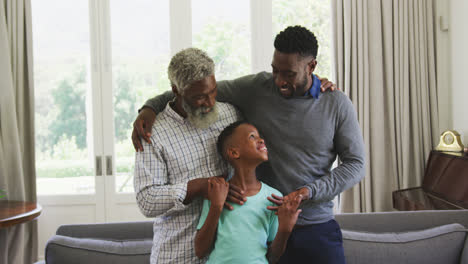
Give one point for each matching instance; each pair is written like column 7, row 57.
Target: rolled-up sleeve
column 154, row 194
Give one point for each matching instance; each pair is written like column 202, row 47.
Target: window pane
column 61, row 79
column 140, row 56
column 314, row 15
column 222, row 28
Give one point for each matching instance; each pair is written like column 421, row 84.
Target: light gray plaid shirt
column 178, row 153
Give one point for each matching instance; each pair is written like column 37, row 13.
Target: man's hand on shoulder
column 235, row 195
column 327, row 85
column 142, row 127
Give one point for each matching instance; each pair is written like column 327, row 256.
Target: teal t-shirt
column 243, row 233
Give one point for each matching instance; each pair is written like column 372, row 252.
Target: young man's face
column 249, row 143
column 292, row 73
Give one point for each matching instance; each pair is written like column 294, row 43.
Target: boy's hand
column 303, row 193
column 217, row 191
column 278, row 200
column 235, row 195
column 288, row 213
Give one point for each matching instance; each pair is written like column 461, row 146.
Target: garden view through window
column 61, row 81
column 141, row 50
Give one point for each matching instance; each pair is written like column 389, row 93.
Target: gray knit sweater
column 303, row 136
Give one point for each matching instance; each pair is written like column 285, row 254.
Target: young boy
column 250, row 233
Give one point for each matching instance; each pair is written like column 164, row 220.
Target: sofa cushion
column 62, row 249
column 464, row 257
column 442, row 244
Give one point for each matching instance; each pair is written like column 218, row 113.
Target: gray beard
column 198, row 118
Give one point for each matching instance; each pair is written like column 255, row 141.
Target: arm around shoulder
column 239, row 91
column 146, row 117
column 159, row 102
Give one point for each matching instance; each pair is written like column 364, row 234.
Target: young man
column 226, row 236
column 305, row 131
column 171, row 174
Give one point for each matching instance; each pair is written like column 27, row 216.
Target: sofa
column 388, row 237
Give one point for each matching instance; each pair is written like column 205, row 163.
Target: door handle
column 98, row 166
column 108, row 165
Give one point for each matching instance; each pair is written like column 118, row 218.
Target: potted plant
column 2, row 193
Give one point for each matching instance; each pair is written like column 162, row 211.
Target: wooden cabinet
column 445, row 185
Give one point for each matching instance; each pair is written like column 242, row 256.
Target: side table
column 17, row 212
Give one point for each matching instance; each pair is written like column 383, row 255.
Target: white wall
column 452, row 65
column 443, row 64
column 458, row 33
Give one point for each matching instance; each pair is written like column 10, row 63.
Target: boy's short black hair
column 226, row 134
column 297, row 39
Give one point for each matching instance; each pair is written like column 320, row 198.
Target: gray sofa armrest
column 401, row 221
column 359, row 229
column 442, row 244
column 72, row 250
column 115, row 243
column 109, row 231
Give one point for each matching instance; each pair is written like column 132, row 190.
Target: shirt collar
column 173, row 114
column 314, row 90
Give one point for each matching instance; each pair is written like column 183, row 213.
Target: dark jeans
column 319, row 243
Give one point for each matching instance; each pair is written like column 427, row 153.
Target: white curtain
column 384, row 56
column 18, row 244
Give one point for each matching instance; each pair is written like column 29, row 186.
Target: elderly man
column 304, row 132
column 171, row 173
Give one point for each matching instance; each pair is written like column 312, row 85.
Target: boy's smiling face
column 249, row 144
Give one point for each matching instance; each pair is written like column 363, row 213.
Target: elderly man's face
column 199, row 102
column 201, row 94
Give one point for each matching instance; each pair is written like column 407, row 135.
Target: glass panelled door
column 63, row 114
column 96, row 62
column 140, row 56
column 68, row 131
column 139, row 40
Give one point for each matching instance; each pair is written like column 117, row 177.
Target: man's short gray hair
column 188, row 66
